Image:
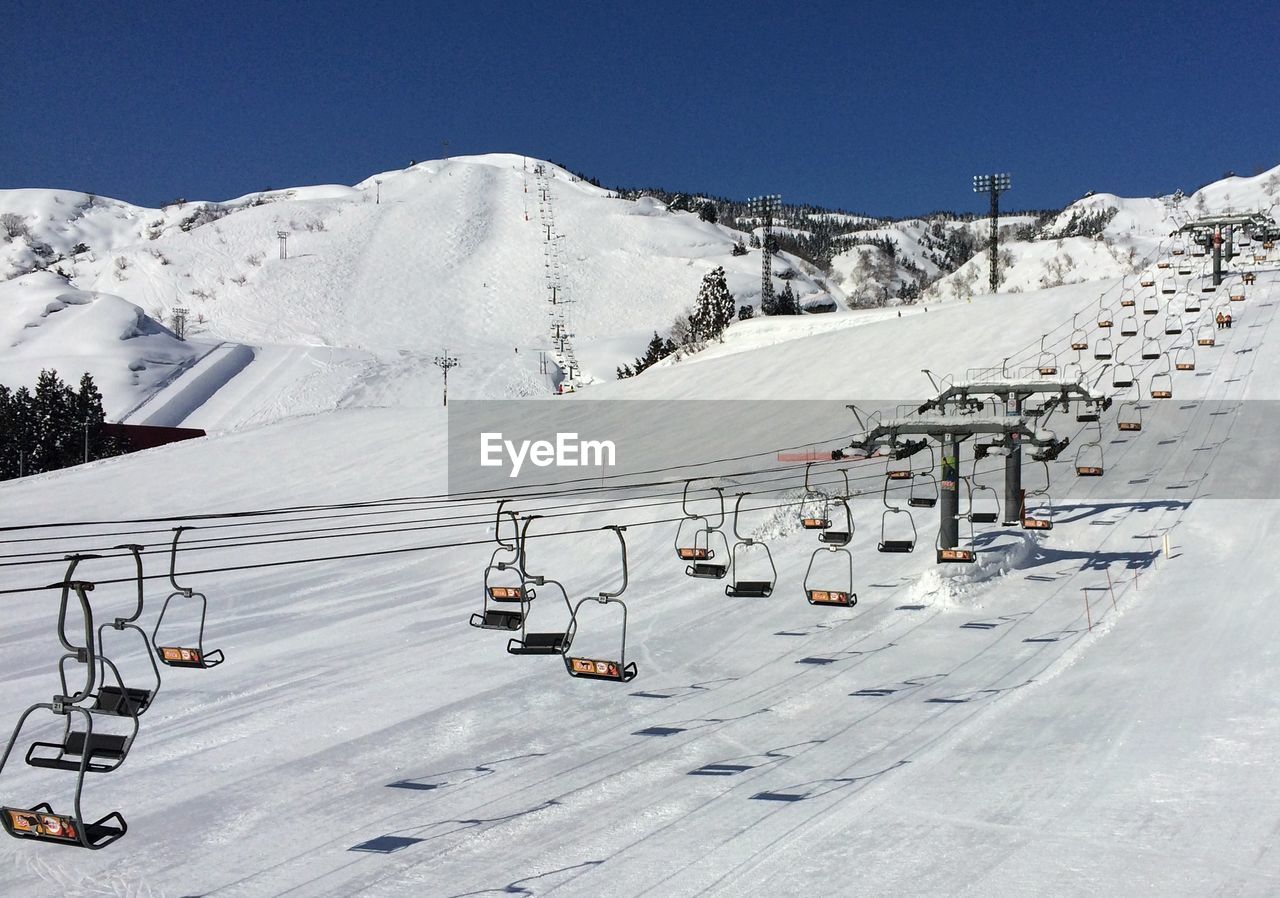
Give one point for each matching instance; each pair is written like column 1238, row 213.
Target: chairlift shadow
column 734, row 766
column 696, row 723
column 398, row 840
column 464, row 775
column 904, row 686
column 685, row 691
column 517, row 887
column 820, row 787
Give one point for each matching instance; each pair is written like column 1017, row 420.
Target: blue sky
column 887, row 108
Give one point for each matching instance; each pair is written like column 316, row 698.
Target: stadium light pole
column 766, row 207
column 445, row 362
column 993, row 185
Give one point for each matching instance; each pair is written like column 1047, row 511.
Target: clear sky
column 887, row 108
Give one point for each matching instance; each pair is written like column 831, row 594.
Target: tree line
column 54, row 426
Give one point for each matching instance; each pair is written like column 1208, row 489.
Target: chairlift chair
column 1103, row 349
column 716, row 564
column 738, row 586
column 834, row 537
column 809, row 520
column 1178, row 248
column 543, row 642
column 1172, row 325
column 1122, row 376
column 1151, row 348
column 1128, row 300
column 490, row 618
column 122, row 700
column 1151, row 305
column 1088, row 412
column 1105, row 319
column 1205, row 337
column 1192, row 303
column 1089, row 461
column 1129, row 327
column 1079, row 339
column 1236, row 293
column 829, row 592
column 81, row 750
column 957, row 554
column 896, row 543
column 184, row 654
column 1146, row 281
column 620, row 671
column 1184, row 359
column 1168, row 287
column 1162, row 386
column 989, row 514
column 1129, row 417
column 1042, row 518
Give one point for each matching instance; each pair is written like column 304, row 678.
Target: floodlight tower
column 445, row 362
column 766, row 207
column 994, row 185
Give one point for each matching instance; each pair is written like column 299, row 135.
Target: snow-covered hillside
column 1077, row 713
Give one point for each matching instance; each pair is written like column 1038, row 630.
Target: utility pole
column 86, row 440
column 445, row 362
column 284, row 243
column 994, row 185
column 766, row 207
column 378, row 195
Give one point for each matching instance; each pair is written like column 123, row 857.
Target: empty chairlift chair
column 550, row 640
column 1122, row 376
column 984, row 501
column 1151, row 348
column 957, row 554
column 503, row 580
column 1191, row 303
column 118, row 699
column 1038, row 516
column 740, row 585
column 1089, row 462
column 81, row 751
column 621, row 670
column 1128, row 300
column 1105, row 318
column 696, row 539
column 832, row 583
column 835, row 535
column 1103, row 350
column 183, row 653
column 893, row 538
column 1129, row 417
column 1172, row 325
column 1151, row 305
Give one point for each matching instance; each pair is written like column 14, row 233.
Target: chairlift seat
column 1206, row 341
column 1183, row 270
column 1122, row 382
column 110, row 747
column 1037, row 524
column 126, row 702
column 1168, row 290
column 896, row 545
column 1129, row 302
column 835, row 537
column 750, row 589
column 815, row 523
column 1207, row 288
column 898, row 475
column 593, row 669
column 43, row 825
column 1088, row 471
column 694, row 553
column 983, row 517
column 1129, row 426
column 707, row 571
column 497, row 619
column 179, row 656
column 831, row 597
column 1161, row 394
column 1163, row 263
column 538, row 644
column 922, row 501
column 1104, row 322
column 1150, row 354
column 1048, row 371
column 1087, row 417
column 1147, row 282
column 964, row 556
column 1173, row 328
column 1184, row 366
column 508, row 593
column 1079, row 345
column 1236, row 297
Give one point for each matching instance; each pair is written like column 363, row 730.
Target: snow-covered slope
column 45, row 323
column 973, row 733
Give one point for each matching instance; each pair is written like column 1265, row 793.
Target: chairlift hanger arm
column 173, row 561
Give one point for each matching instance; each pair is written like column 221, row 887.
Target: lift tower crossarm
column 963, row 392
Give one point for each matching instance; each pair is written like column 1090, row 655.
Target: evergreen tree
column 714, row 307
column 787, row 303
column 707, row 212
